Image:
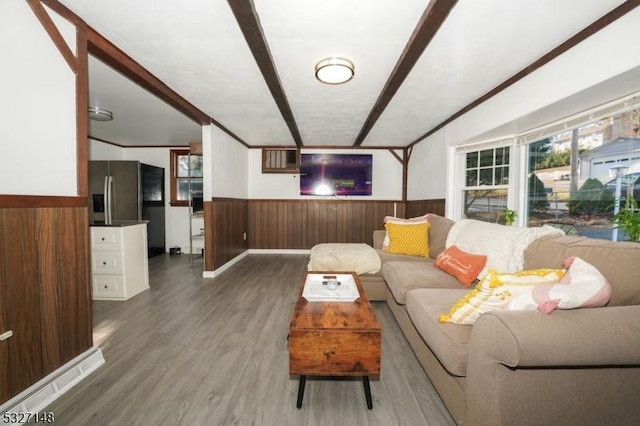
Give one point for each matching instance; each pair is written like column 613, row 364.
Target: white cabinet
column 119, row 264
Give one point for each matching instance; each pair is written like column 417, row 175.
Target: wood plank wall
column 420, row 207
column 296, row 224
column 45, row 289
column 226, row 220
column 301, row 224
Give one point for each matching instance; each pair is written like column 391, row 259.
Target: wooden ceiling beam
column 432, row 19
column 249, row 24
column 111, row 55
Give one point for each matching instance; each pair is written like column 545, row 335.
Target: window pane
column 472, row 160
column 183, row 165
column 502, row 175
column 572, row 181
column 472, row 177
column 486, row 205
column 486, row 158
column 486, row 176
column 183, row 188
column 502, row 156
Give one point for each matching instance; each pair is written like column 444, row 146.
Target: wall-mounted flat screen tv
column 335, row 174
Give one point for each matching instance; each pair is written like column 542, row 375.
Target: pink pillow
column 582, row 286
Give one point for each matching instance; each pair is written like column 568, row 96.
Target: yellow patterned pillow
column 495, row 290
column 408, row 239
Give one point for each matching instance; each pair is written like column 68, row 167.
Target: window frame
column 277, row 160
column 174, row 155
column 518, row 168
column 510, row 187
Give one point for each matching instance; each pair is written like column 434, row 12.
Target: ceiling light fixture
column 334, row 70
column 100, row 114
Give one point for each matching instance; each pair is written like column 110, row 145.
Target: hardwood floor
column 195, row 351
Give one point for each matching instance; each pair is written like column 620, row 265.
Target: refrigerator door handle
column 112, row 200
column 109, row 200
column 106, row 200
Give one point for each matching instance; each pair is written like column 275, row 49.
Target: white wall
column 604, row 55
column 38, row 130
column 104, row 151
column 427, row 177
column 229, row 165
column 387, row 177
column 599, row 58
column 177, row 218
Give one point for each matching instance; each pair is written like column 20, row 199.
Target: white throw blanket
column 344, row 257
column 504, row 246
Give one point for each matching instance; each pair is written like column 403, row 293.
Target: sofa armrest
column 572, row 338
column 378, row 238
column 523, row 365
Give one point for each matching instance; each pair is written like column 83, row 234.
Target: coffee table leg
column 367, row 392
column 303, row 381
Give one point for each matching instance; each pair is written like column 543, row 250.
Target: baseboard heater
column 42, row 393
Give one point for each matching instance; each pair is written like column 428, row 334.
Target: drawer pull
column 6, row 335
column 102, row 239
column 104, row 263
column 106, row 286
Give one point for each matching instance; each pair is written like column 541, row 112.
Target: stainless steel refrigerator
column 126, row 191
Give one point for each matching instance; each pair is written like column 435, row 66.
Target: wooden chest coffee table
column 334, row 339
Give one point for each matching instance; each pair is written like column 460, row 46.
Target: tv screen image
column 335, row 174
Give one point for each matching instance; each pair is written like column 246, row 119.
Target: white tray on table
column 316, row 290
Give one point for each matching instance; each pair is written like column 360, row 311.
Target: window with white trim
column 486, row 186
column 562, row 174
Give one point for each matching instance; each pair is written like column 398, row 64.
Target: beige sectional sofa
column 570, row 367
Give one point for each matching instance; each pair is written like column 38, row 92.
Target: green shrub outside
column 592, row 198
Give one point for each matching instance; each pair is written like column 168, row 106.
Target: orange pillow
column 462, row 265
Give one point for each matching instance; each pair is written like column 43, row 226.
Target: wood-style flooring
column 196, row 351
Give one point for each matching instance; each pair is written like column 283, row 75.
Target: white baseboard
column 229, row 264
column 42, row 393
column 279, row 251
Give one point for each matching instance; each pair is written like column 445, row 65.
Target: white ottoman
column 344, row 257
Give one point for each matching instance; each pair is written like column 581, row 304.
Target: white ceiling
column 197, row 49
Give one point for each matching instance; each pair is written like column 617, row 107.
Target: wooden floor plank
column 195, row 351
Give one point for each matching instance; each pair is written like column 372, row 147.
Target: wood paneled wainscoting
column 45, row 297
column 225, row 231
column 419, row 207
column 296, row 224
column 301, row 224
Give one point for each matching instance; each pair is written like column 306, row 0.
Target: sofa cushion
column 388, row 257
column 409, row 239
column 449, row 342
column 439, row 228
column 615, row 260
column 404, row 275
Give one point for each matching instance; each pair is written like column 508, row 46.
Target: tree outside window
column 571, row 183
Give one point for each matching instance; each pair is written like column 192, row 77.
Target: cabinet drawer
column 108, row 239
column 107, row 286
column 107, row 262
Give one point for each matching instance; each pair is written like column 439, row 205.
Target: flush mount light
column 334, row 70
column 100, row 114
